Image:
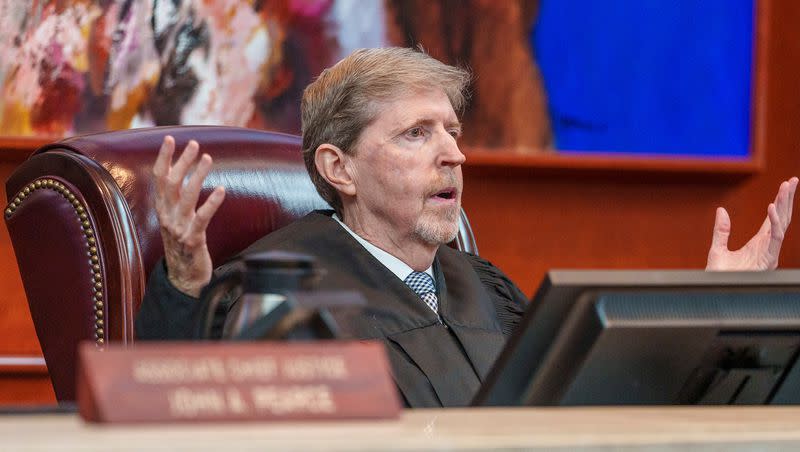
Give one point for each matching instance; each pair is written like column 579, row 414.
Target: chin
column 437, row 232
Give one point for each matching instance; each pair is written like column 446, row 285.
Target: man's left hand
column 762, row 251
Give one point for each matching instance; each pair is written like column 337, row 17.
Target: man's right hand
column 183, row 225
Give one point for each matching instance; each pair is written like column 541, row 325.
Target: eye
column 455, row 133
column 416, row 132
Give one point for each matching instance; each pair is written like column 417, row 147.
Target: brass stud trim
column 91, row 242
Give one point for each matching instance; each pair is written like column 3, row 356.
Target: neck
column 409, row 248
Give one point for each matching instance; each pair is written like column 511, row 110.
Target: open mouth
column 447, row 193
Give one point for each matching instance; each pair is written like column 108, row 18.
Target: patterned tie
column 422, row 284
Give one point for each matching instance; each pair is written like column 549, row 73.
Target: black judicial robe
column 434, row 364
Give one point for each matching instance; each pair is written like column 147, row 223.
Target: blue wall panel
column 647, row 76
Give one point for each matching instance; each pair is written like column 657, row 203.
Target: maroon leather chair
column 83, row 225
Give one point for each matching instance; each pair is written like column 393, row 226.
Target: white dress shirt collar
column 395, row 265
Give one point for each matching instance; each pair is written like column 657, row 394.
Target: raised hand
column 762, row 251
column 183, row 225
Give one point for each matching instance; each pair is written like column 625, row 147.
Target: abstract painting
column 651, row 77
column 72, row 67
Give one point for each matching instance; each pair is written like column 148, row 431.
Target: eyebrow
column 456, row 124
column 427, row 122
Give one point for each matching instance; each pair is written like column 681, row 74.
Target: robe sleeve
column 509, row 301
column 166, row 313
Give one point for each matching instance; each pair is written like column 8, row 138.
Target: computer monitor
column 654, row 338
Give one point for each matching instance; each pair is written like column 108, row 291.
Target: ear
column 332, row 165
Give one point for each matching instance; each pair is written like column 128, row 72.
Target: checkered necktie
column 422, row 284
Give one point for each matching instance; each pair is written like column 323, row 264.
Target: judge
column 380, row 142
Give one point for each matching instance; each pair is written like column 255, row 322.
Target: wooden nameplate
column 235, row 381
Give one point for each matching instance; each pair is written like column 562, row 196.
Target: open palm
column 763, row 250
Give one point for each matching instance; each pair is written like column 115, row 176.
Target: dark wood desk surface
column 659, row 428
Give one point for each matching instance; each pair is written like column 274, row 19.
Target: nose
column 449, row 153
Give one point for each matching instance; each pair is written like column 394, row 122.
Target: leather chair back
column 84, row 230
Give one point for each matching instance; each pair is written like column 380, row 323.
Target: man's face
column 407, row 170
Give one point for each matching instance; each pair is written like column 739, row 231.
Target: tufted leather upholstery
column 85, row 234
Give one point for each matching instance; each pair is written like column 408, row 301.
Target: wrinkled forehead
column 409, row 101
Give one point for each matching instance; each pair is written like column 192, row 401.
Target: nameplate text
column 189, row 382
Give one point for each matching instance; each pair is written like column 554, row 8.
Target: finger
column 775, row 221
column 207, row 211
column 776, row 236
column 163, row 160
column 178, row 171
column 782, row 199
column 191, row 191
column 722, row 229
column 792, row 189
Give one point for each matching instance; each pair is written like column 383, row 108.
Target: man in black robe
column 380, row 137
